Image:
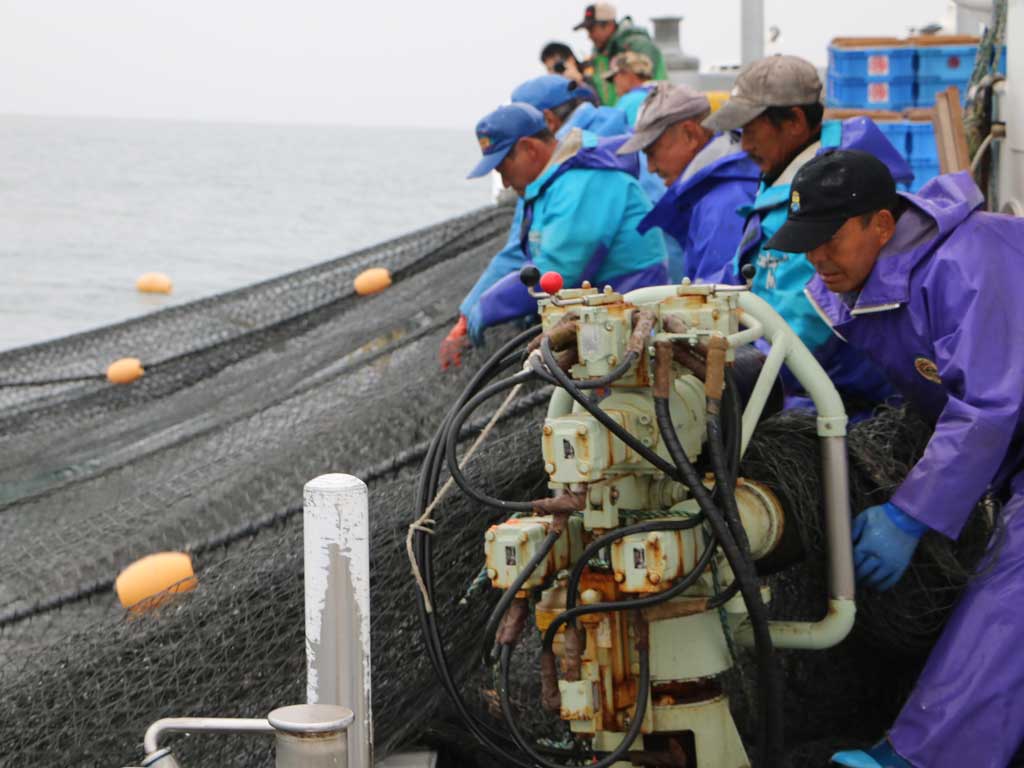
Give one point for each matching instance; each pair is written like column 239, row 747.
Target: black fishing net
column 248, row 396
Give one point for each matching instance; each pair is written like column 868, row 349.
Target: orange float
column 154, row 282
column 373, row 280
column 125, row 371
column 151, row 580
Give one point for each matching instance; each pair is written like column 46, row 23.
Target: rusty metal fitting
column 512, row 623
column 643, row 324
column 550, row 696
column 641, row 632
column 560, row 507
column 562, row 334
column 662, row 369
column 714, row 382
column 573, row 653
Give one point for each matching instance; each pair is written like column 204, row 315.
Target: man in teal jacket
column 776, row 103
column 558, row 99
column 582, row 205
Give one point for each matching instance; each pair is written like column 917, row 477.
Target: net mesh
column 249, row 395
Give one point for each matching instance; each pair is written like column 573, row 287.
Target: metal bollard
column 311, row 736
column 337, row 566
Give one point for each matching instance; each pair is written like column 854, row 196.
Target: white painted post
column 336, row 537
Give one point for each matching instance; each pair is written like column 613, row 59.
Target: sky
column 431, row 64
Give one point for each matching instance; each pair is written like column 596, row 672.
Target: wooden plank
column 950, row 136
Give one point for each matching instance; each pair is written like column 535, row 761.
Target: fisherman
column 927, row 285
column 612, row 37
column 630, row 73
column 710, row 177
column 564, row 109
column 582, row 205
column 776, row 103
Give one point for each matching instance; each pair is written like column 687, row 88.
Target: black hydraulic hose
column 607, row 421
column 509, row 595
column 734, row 426
column 725, row 486
column 571, row 614
column 644, row 684
column 769, row 740
column 452, row 439
column 573, row 585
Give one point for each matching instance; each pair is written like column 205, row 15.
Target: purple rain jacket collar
column 947, row 201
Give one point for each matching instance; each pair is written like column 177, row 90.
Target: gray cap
column 775, row 81
column 665, row 105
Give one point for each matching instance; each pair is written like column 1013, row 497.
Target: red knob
column 551, row 282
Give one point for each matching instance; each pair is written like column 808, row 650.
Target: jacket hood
column 582, row 149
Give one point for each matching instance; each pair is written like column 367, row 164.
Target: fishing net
column 249, row 395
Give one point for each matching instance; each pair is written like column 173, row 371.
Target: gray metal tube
column 151, row 741
column 836, row 482
column 337, row 584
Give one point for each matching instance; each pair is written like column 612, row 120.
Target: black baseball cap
column 832, row 188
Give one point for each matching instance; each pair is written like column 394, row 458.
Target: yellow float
column 125, row 371
column 154, row 282
column 372, row 280
column 150, row 581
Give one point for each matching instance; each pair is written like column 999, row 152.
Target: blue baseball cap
column 546, row 91
column 499, row 131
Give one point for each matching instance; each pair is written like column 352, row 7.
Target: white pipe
column 763, row 388
column 806, row 635
column 151, row 741
column 755, row 330
column 337, row 567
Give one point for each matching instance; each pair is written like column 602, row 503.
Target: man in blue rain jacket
column 582, row 205
column 710, row 178
column 775, row 101
column 564, row 108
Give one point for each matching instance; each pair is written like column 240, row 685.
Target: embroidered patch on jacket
column 794, row 202
column 928, row 369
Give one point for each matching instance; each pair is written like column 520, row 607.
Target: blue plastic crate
column 926, row 90
column 871, row 63
column 922, row 143
column 898, row 134
column 868, row 94
column 923, row 173
column 953, row 63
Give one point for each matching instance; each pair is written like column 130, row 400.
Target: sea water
column 87, row 205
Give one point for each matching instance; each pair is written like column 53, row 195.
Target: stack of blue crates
column 923, row 153
column 940, row 66
column 876, row 77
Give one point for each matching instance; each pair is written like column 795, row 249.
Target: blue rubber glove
column 882, row 755
column 884, row 540
column 476, row 328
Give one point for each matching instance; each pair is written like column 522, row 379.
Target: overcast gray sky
column 436, row 63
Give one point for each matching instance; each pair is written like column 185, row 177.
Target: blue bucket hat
column 546, row 91
column 499, row 131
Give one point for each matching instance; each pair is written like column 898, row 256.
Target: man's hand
column 884, row 540
column 454, row 344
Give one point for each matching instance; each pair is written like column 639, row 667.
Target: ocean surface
column 88, row 205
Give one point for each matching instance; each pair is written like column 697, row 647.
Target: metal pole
column 751, row 31
column 337, row 566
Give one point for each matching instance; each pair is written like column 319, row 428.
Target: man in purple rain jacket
column 928, row 285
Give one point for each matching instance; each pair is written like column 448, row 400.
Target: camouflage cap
column 667, row 104
column 774, row 81
column 638, row 63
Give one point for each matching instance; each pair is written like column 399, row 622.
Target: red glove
column 453, row 345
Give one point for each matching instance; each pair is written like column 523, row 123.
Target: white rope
column 424, row 521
